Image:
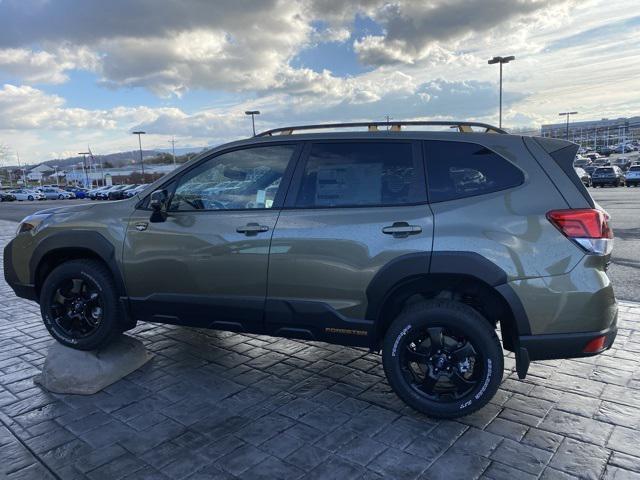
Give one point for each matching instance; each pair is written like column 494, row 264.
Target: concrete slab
column 87, row 372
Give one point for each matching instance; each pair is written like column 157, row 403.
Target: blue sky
column 76, row 73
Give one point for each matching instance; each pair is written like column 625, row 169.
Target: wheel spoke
column 416, row 356
column 465, row 351
column 77, row 285
column 461, row 383
column 435, row 336
column 428, row 384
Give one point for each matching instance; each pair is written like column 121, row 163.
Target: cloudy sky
column 86, row 72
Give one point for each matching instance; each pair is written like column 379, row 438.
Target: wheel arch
column 72, row 245
column 465, row 276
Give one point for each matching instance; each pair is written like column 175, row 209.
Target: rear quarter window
column 460, row 169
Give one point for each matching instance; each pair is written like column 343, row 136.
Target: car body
column 7, row 197
column 623, row 162
column 77, row 191
column 418, row 244
column 93, row 193
column 632, row 177
column 119, row 193
column 104, row 194
column 134, row 191
column 585, row 178
column 55, row 193
column 605, row 151
column 27, row 194
column 581, row 161
column 612, row 176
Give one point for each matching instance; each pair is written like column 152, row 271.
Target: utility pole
column 173, row 149
column 388, row 119
column 139, row 133
column 253, row 113
column 501, row 61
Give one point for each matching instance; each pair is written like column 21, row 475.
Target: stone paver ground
column 221, row 405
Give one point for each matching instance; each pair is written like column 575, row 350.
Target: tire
column 445, row 316
column 30, row 198
column 60, row 197
column 99, row 279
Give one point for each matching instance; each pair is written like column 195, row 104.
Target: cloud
column 46, row 67
column 413, row 29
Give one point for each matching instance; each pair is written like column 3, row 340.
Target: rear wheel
column 30, row 197
column 443, row 358
column 79, row 305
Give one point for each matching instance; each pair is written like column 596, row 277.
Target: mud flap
column 522, row 362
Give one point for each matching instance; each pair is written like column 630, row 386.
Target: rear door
column 355, row 210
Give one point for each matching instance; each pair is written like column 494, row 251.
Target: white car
column 26, row 194
column 54, row 193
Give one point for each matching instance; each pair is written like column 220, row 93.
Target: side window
column 241, row 179
column 460, row 169
column 360, row 174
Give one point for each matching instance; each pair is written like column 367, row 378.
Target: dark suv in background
column 603, row 176
column 418, row 244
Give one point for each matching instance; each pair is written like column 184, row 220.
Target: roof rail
column 395, row 126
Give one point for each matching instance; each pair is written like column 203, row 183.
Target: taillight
column 596, row 345
column 588, row 227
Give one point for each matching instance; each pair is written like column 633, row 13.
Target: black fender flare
column 470, row 264
column 83, row 240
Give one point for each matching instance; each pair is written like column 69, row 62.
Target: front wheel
column 443, row 358
column 30, row 197
column 79, row 305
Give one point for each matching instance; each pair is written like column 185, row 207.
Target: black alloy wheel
column 443, row 358
column 80, row 305
column 77, row 307
column 441, row 363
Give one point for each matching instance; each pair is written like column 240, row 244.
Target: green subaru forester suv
column 409, row 241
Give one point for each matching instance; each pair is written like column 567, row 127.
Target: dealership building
column 593, row 133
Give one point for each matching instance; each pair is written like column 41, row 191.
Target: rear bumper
column 565, row 345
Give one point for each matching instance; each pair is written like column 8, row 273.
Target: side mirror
column 158, row 203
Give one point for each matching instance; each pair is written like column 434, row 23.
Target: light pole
column 84, row 168
column 139, row 133
column 567, row 114
column 501, row 61
column 173, row 150
column 253, row 113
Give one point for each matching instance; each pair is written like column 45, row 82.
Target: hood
column 67, row 209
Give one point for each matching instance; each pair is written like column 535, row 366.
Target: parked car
column 104, row 194
column 632, row 177
column 606, row 151
column 54, row 193
column 608, row 176
column 344, row 238
column 7, row 197
column 581, row 161
column 134, row 191
column 119, row 193
column 590, row 169
column 623, row 162
column 77, row 191
column 585, row 178
column 93, row 194
column 26, row 194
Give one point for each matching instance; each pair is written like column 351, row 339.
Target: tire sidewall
column 109, row 301
column 480, row 335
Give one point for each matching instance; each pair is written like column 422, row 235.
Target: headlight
column 33, row 223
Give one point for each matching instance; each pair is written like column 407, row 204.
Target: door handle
column 402, row 230
column 252, row 229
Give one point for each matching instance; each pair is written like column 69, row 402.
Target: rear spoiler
column 564, row 153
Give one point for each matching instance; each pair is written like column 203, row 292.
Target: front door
column 206, row 264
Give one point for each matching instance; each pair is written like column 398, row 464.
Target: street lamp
column 567, row 114
column 173, row 149
column 84, row 167
column 139, row 132
column 253, row 113
column 501, row 61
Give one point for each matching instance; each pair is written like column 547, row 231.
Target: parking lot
column 220, row 405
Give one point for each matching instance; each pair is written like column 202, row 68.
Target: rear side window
column 460, row 169
column 348, row 174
